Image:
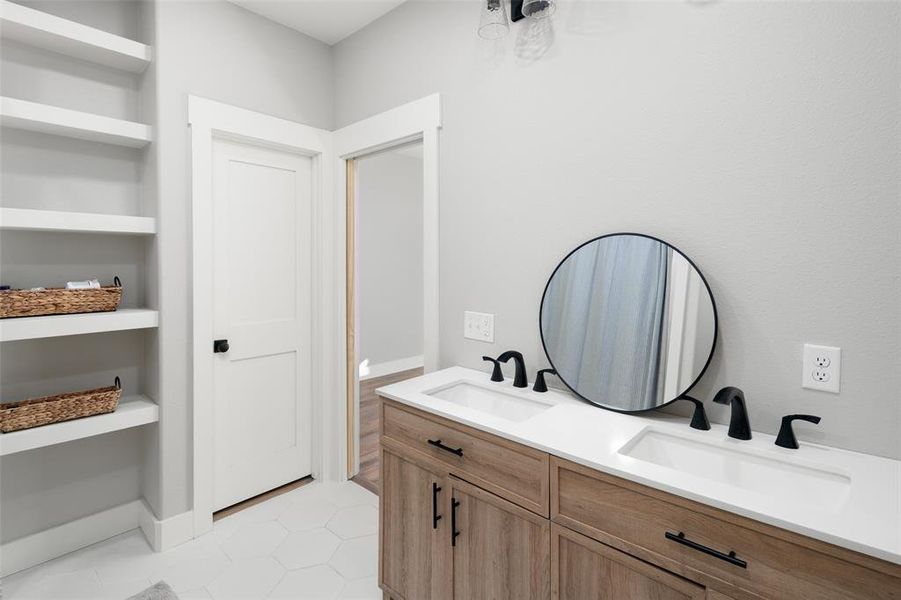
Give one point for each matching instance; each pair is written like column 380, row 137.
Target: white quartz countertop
column 865, row 517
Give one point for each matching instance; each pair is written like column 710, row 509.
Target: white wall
column 389, row 256
column 220, row 51
column 46, row 487
column 763, row 139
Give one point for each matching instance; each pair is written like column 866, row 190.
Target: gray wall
column 763, row 139
column 223, row 52
column 389, row 256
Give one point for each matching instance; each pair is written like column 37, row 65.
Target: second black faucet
column 739, row 425
column 520, row 380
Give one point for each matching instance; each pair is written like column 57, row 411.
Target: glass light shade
column 539, row 9
column 494, row 24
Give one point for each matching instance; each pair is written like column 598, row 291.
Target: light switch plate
column 478, row 326
column 822, row 368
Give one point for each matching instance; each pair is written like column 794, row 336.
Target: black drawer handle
column 454, row 533
column 438, row 444
column 435, row 516
column 730, row 558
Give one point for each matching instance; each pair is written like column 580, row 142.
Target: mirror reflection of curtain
column 603, row 320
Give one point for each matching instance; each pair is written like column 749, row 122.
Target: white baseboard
column 52, row 543
column 393, row 366
column 166, row 533
column 42, row 546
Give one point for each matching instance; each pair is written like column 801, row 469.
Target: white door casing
column 209, row 122
column 261, row 305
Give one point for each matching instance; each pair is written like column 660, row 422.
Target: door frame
column 419, row 120
column 210, row 120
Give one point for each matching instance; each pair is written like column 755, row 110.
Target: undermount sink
column 750, row 470
column 496, row 402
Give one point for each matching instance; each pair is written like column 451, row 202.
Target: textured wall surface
column 763, row 139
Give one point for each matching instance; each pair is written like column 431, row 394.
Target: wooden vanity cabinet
column 715, row 548
column 512, row 471
column 531, row 526
column 583, row 569
column 414, row 550
column 501, row 550
column 442, row 538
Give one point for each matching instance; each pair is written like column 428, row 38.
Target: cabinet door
column 584, row 569
column 415, row 552
column 501, row 551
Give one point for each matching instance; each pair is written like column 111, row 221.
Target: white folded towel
column 83, row 285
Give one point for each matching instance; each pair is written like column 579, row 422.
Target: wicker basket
column 61, row 407
column 59, row 301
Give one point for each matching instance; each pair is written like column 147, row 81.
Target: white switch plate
column 478, row 326
column 822, row 368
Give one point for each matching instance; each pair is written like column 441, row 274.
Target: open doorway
column 418, row 123
column 385, row 298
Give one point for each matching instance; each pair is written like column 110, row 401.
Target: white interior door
column 261, row 298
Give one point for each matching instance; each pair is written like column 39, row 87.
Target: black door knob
column 220, row 346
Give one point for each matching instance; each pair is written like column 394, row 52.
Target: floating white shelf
column 43, row 30
column 132, row 412
column 53, row 220
column 30, row 328
column 32, row 116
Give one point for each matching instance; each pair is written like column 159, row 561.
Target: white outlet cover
column 478, row 326
column 821, row 368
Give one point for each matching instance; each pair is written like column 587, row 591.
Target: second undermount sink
column 751, row 470
column 496, row 402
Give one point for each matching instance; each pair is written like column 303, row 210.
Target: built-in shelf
column 132, row 412
column 32, row 116
column 53, row 220
column 30, row 328
column 43, row 30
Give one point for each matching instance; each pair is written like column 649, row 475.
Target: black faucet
column 699, row 417
column 739, row 427
column 540, row 384
column 786, row 437
column 496, row 374
column 519, row 380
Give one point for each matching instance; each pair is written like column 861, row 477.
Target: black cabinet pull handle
column 220, row 346
column 438, row 444
column 435, row 516
column 454, row 533
column 730, row 558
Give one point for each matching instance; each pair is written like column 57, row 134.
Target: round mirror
column 628, row 322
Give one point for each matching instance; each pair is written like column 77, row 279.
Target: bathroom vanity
column 494, row 492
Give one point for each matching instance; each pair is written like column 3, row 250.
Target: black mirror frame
column 716, row 323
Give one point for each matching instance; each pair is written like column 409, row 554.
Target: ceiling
column 329, row 21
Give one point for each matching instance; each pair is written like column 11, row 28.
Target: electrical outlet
column 478, row 326
column 822, row 368
column 820, row 375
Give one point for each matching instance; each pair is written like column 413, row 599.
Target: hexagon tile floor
column 317, row 542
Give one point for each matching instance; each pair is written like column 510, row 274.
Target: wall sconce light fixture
column 537, row 9
column 494, row 25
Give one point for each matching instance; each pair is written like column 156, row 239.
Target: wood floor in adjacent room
column 368, row 476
